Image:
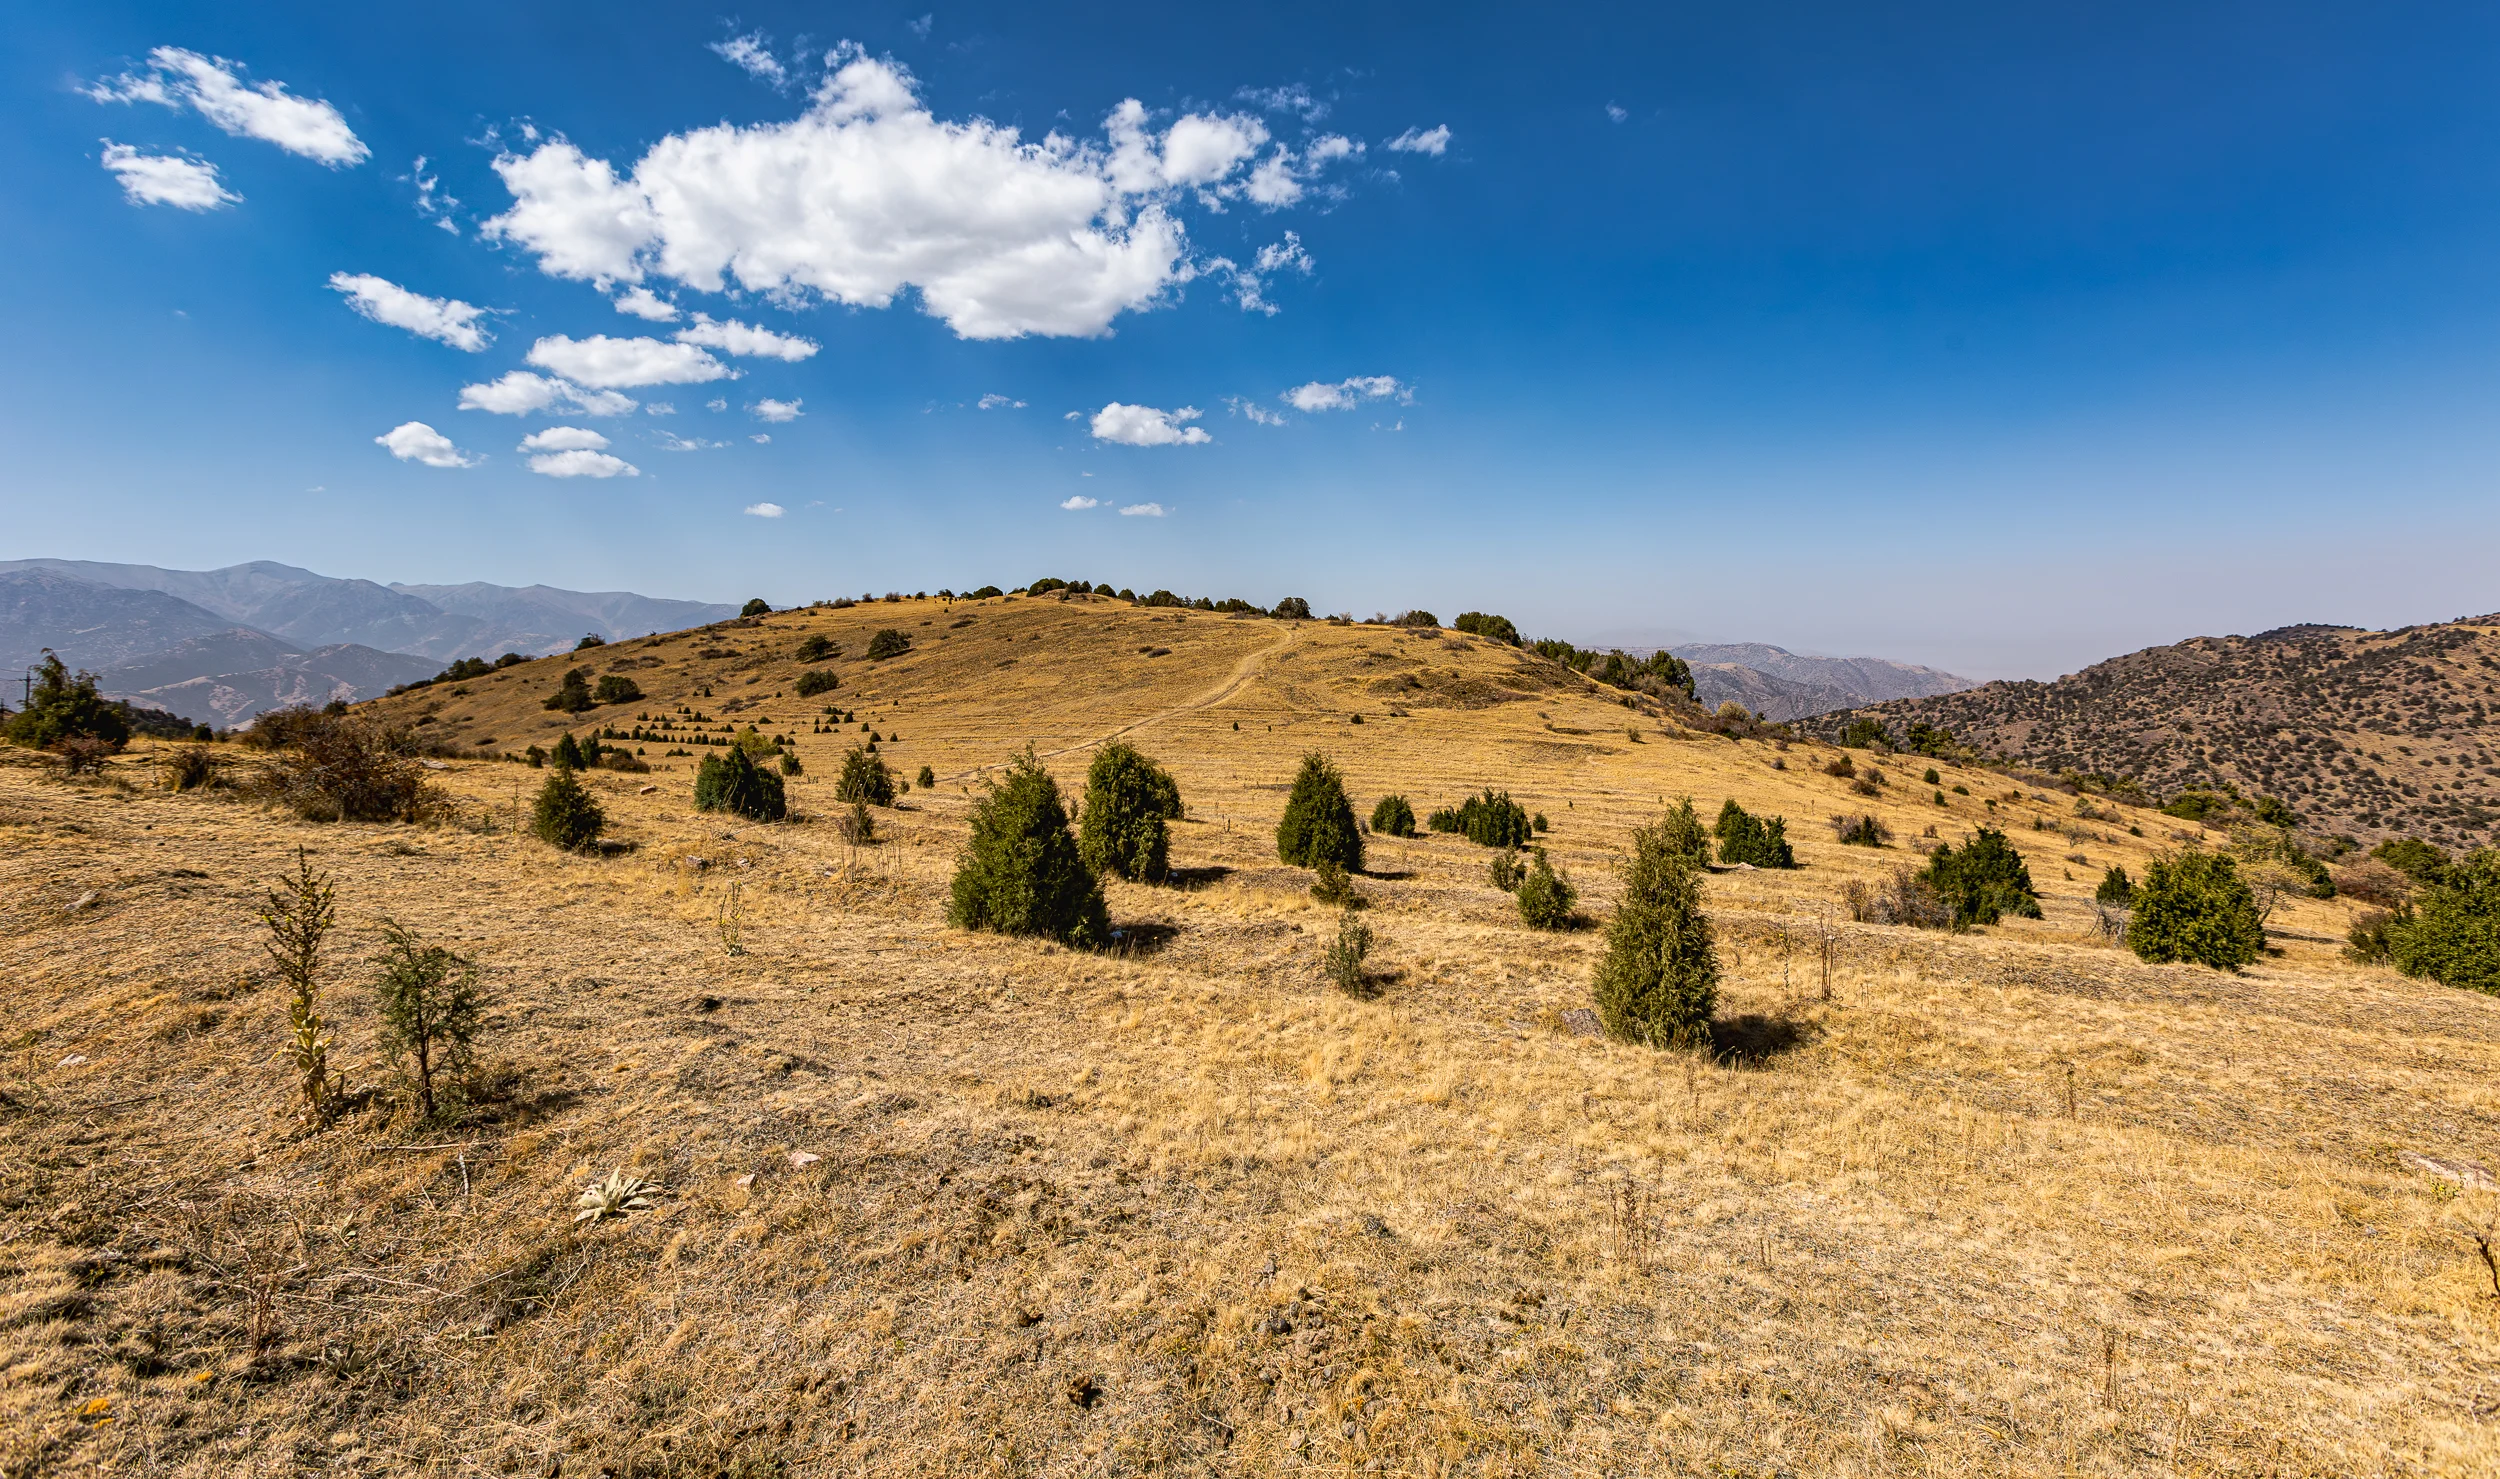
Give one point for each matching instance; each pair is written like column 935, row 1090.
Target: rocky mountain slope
column 2369, row 733
column 1866, row 680
column 223, row 645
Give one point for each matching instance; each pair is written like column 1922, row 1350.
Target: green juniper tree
column 1658, row 981
column 1021, row 872
column 1319, row 820
column 2194, row 906
column 1128, row 801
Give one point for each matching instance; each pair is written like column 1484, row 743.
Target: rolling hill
column 931, row 1201
column 2375, row 734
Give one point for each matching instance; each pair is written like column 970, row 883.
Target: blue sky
column 1999, row 338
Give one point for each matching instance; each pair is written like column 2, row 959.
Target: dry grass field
column 2001, row 1203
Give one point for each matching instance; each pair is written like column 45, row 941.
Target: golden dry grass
column 2006, row 1203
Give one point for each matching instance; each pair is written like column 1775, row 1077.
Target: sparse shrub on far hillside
column 2117, row 890
column 887, row 643
column 2373, row 882
column 2197, row 806
column 1861, row 831
column 2372, row 938
column 1505, row 870
column 430, row 1009
column 1546, row 897
column 1983, row 882
column 1841, row 767
column 815, row 681
column 1746, row 838
column 1022, row 872
column 816, row 647
column 1485, row 624
column 2453, row 936
column 790, row 764
column 1319, row 820
column 340, row 768
column 864, row 778
column 1292, row 608
column 2194, row 906
column 566, row 815
column 1128, row 801
column 572, row 695
column 925, row 779
column 1344, row 956
column 591, row 640
column 1392, row 817
column 2420, row 861
column 734, row 783
column 190, row 768
column 569, row 752
column 1492, row 819
column 1865, row 734
column 613, row 689
column 757, row 607
column 2273, row 812
column 1658, row 982
column 1415, row 619
column 64, row 706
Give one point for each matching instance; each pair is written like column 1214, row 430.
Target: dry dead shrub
column 339, row 768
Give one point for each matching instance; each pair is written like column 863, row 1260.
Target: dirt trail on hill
column 1243, row 671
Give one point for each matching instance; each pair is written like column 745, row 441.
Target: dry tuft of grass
column 919, row 1201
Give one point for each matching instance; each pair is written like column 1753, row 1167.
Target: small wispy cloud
column 999, row 403
column 751, row 55
column 1617, row 112
column 1434, row 141
column 764, row 510
column 1142, row 511
column 1080, row 501
column 1345, row 395
column 777, row 411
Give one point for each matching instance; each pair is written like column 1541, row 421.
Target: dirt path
column 1243, row 671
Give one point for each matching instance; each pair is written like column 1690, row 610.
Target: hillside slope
column 933, row 1202
column 2370, row 733
column 89, row 625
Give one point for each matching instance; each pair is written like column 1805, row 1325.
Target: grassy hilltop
column 930, row 1201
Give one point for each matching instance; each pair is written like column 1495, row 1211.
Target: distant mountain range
column 1782, row 686
column 223, row 645
column 2372, row 733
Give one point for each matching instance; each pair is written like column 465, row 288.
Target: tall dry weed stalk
column 299, row 916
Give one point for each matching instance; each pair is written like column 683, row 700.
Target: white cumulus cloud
column 605, row 364
column 260, row 110
column 764, row 510
column 1144, row 426
column 749, row 54
column 1080, row 501
column 166, row 179
column 447, row 320
column 520, row 393
column 867, row 194
column 582, row 463
column 1142, row 511
column 1345, row 395
column 564, row 439
column 643, row 303
column 772, row 410
column 1434, row 141
column 733, row 337
column 414, row 441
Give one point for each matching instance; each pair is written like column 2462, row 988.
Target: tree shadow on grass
column 1753, row 1038
column 1136, row 941
column 1190, row 878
